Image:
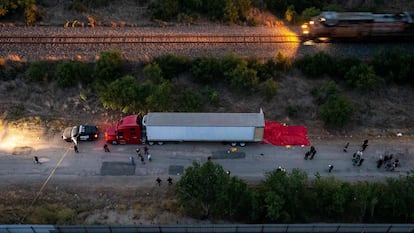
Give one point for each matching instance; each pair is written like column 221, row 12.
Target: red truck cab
column 126, row 131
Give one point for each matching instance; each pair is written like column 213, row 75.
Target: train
column 331, row 25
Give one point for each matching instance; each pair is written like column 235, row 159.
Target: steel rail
column 63, row 39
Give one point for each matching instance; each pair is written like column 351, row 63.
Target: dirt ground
column 49, row 109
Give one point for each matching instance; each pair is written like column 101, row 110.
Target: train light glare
column 311, row 22
column 304, row 26
column 305, row 32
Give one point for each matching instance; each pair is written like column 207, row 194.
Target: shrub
column 69, row 73
column 395, row 65
column 206, row 70
column 172, row 65
column 336, row 111
column 316, row 65
column 241, row 78
column 40, row 71
column 362, row 77
column 109, row 66
column 153, row 72
column 308, row 13
column 164, row 9
column 189, row 101
column 159, row 98
column 269, row 88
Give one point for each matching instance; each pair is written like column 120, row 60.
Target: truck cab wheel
column 233, row 144
column 160, row 143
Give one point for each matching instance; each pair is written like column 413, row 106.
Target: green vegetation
column 26, row 8
column 207, row 191
column 178, row 83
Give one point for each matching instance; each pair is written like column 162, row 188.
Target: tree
column 160, row 98
column 362, row 77
column 109, row 66
column 124, row 95
column 336, row 111
column 206, row 70
column 241, row 78
column 153, row 72
column 190, row 101
column 201, row 188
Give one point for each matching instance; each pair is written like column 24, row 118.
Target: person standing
column 106, row 149
column 169, row 180
column 142, row 160
column 75, row 148
column 36, row 160
column 346, row 147
column 330, row 166
column 312, row 152
column 145, row 150
column 149, row 157
column 365, row 145
column 158, row 181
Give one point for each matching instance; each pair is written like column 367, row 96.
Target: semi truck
column 160, row 127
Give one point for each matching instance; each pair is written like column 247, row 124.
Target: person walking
column 346, row 147
column 158, row 181
column 149, row 157
column 142, row 160
column 145, row 150
column 75, row 148
column 36, row 160
column 365, row 145
column 330, row 167
column 106, row 149
column 312, row 152
column 169, row 180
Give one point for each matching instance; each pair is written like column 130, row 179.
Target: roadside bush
column 124, row 95
column 41, row 71
column 316, row 65
column 189, row 101
column 159, row 99
column 51, row 214
column 395, row 66
column 269, row 88
column 362, row 77
column 327, row 90
column 206, row 70
column 109, row 66
column 282, row 62
column 213, row 96
column 173, row 65
column 164, row 9
column 69, row 73
column 337, row 111
column 343, row 66
column 153, row 72
column 241, row 78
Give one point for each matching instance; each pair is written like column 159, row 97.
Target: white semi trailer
column 233, row 128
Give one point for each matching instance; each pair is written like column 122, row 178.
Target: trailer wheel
column 150, row 143
column 242, row 144
column 233, row 144
column 160, row 143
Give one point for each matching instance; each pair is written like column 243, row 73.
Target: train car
column 359, row 25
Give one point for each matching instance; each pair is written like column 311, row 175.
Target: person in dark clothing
column 158, row 181
column 169, row 180
column 106, row 149
column 36, row 160
column 365, row 144
column 312, row 152
column 307, row 155
column 379, row 163
column 360, row 162
column 330, row 167
column 346, row 147
column 75, row 148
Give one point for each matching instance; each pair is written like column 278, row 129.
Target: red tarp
column 282, row 135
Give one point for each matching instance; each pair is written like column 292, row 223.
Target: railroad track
column 148, row 39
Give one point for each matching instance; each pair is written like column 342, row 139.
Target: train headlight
column 311, row 22
column 304, row 26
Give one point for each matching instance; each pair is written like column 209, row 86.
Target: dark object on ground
column 346, row 147
column 158, row 181
column 106, row 149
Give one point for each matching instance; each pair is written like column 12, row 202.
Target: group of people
column 159, row 181
column 311, row 153
column 146, row 153
column 357, row 157
column 388, row 162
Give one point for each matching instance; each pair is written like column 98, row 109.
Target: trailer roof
column 204, row 119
